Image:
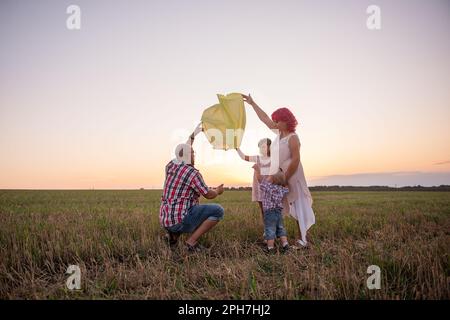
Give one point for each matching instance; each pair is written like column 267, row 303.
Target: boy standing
column 272, row 193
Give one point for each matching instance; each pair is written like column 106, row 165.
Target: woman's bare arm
column 260, row 112
column 294, row 147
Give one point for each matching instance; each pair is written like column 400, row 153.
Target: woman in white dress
column 285, row 155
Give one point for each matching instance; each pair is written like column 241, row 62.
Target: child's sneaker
column 285, row 248
column 269, row 250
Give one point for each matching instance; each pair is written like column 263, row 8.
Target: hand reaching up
column 248, row 99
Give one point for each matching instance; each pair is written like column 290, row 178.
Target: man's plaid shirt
column 182, row 187
column 272, row 195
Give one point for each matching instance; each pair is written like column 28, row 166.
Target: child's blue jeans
column 273, row 224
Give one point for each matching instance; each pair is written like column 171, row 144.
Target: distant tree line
column 360, row 188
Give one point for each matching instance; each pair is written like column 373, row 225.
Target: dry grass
column 115, row 238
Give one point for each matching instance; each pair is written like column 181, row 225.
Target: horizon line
column 140, row 189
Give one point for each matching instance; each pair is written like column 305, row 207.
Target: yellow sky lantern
column 224, row 123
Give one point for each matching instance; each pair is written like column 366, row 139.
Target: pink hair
column 285, row 115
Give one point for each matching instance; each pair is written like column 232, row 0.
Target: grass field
column 115, row 238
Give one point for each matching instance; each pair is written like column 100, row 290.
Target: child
column 272, row 193
column 263, row 161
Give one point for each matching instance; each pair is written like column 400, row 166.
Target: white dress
column 298, row 202
column 264, row 164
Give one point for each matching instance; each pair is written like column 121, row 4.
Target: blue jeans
column 273, row 224
column 196, row 215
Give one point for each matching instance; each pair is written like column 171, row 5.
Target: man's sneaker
column 172, row 238
column 285, row 248
column 195, row 248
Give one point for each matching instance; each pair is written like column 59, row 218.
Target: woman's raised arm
column 259, row 112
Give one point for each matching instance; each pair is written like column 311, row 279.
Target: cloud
column 441, row 163
column 392, row 179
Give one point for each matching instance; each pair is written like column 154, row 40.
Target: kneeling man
column 180, row 211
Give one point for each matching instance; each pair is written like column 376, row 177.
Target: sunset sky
column 104, row 107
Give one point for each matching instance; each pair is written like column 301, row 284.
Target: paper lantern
column 224, row 123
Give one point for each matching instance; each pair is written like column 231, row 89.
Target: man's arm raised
column 197, row 130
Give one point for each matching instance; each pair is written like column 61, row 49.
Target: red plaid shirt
column 272, row 195
column 183, row 186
